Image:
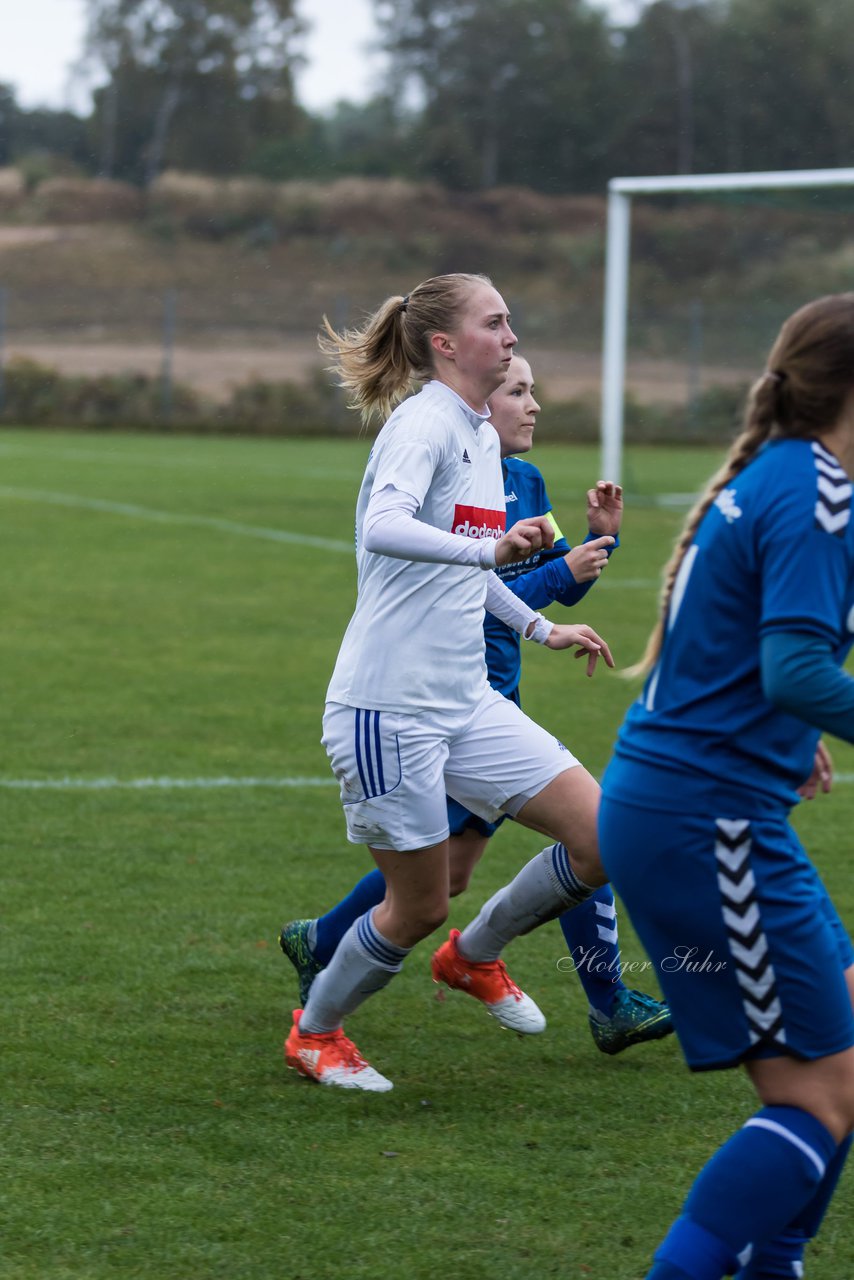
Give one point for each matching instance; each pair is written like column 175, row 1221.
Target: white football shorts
column 395, row 769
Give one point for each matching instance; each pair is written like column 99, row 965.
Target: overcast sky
column 41, row 39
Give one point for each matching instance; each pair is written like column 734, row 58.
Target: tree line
column 551, row 94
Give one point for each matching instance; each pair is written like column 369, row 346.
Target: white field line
column 685, row 500
column 156, row 784
column 192, row 784
column 225, row 526
column 173, row 517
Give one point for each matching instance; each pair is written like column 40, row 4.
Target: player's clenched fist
column 523, row 539
column 586, row 561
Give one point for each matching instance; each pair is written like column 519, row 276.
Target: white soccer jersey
column 415, row 640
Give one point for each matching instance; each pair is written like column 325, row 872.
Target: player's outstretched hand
column 605, row 508
column 586, row 561
column 523, row 539
column 821, row 778
column 590, row 644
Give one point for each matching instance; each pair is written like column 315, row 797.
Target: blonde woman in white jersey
column 410, row 715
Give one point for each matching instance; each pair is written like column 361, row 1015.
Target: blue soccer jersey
column 543, row 579
column 775, row 552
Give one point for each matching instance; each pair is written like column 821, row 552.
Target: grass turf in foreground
column 149, row 1127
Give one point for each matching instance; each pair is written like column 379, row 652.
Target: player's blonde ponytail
column 802, row 392
column 379, row 362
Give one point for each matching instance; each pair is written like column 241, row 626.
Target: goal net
column 743, row 250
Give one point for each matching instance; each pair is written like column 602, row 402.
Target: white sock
column 364, row 962
column 544, row 888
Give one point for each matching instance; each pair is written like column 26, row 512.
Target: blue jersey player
column 744, row 673
column 619, row 1016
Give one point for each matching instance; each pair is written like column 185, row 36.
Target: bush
column 211, row 207
column 13, row 188
column 39, row 396
column 31, row 392
column 87, row 200
column 713, row 418
column 570, row 421
column 359, row 206
column 288, row 408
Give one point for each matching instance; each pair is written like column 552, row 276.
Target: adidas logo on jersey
column 726, row 504
column 466, row 457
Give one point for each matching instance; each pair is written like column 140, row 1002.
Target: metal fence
column 214, row 340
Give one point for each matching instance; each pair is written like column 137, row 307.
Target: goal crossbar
column 620, row 192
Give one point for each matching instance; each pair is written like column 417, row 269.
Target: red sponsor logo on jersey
column 478, row 522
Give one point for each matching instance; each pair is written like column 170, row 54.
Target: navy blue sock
column 330, row 928
column 782, row 1256
column 590, row 931
column 748, row 1193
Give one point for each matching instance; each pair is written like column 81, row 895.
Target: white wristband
column 542, row 630
column 487, row 553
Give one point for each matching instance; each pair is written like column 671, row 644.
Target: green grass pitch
column 172, row 609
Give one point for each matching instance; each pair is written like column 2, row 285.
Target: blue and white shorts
column 748, row 948
column 395, row 769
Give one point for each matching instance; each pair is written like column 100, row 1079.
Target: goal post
column 617, row 250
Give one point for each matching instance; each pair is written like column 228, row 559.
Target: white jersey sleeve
column 501, row 602
column 390, row 529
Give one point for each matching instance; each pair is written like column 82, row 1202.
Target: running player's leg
column 618, row 1016
column 751, row 967
column 769, row 1173
column 467, row 844
column 310, row 944
column 394, row 802
column 552, row 793
column 331, row 927
column 502, row 764
column 369, row 955
column 783, row 1256
column 549, row 884
column 373, row 949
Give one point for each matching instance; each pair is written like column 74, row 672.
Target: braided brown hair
column 801, row 393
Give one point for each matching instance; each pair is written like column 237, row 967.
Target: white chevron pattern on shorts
column 747, row 920
column 747, row 942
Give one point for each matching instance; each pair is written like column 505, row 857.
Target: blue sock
column 590, row 931
column 329, row 929
column 748, row 1193
column 782, row 1256
column 666, row 1271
